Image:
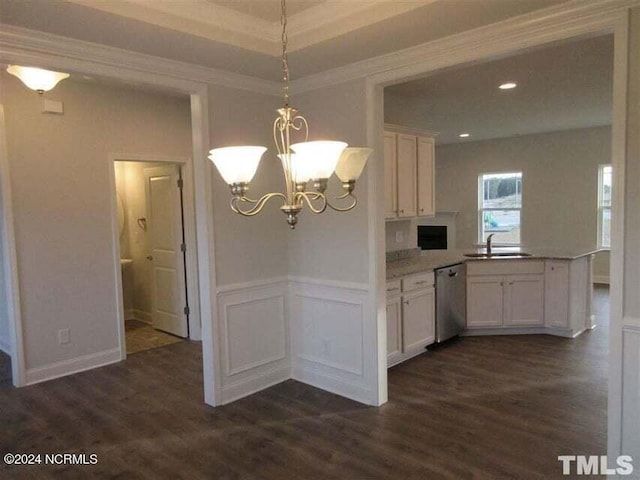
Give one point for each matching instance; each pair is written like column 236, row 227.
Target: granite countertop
column 433, row 259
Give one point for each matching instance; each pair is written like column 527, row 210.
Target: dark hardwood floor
column 478, row 408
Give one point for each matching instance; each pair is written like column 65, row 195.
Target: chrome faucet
column 489, row 244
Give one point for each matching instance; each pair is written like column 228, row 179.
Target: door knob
column 149, row 257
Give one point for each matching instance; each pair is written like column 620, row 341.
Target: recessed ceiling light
column 464, row 135
column 508, row 86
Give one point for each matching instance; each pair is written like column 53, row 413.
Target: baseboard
column 142, row 316
column 558, row 332
column 335, row 385
column 602, row 279
column 248, row 386
column 74, row 365
column 128, row 314
column 5, row 346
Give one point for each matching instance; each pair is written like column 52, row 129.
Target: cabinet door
column 418, row 319
column 426, row 177
column 394, row 332
column 524, row 300
column 407, row 173
column 390, row 176
column 485, row 302
column 556, row 294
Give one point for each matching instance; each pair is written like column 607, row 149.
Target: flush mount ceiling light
column 303, row 162
column 464, row 135
column 36, row 78
column 508, row 86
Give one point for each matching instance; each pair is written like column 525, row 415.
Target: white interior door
column 164, row 224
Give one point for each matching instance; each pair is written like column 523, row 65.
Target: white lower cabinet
column 410, row 316
column 418, row 319
column 394, row 329
column 524, row 300
column 514, row 298
column 556, row 294
column 485, row 301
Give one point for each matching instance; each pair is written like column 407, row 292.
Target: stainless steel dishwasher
column 451, row 301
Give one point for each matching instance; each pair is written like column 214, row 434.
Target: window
column 500, row 202
column 605, row 177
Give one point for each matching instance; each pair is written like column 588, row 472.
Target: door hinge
column 183, row 247
column 180, row 183
column 186, row 310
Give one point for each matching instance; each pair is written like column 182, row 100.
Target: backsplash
column 403, row 254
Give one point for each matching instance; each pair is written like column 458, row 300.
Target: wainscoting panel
column 631, row 391
column 254, row 337
column 332, row 337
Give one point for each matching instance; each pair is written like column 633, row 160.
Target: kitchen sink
column 497, row 254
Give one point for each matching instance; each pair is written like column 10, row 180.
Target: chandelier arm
column 354, row 202
column 258, row 204
column 309, row 198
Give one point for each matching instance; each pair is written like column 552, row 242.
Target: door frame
column 488, row 45
column 191, row 259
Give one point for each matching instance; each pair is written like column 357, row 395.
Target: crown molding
column 203, row 19
column 573, row 18
column 21, row 45
column 329, row 20
column 222, row 24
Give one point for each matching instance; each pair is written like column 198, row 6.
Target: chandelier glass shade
column 303, row 162
column 36, row 78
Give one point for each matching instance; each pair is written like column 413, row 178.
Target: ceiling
column 560, row 87
column 243, row 36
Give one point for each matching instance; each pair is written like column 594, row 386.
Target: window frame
column 601, row 208
column 482, row 209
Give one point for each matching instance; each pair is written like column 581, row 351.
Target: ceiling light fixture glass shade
column 352, row 163
column 237, row 164
column 302, row 162
column 36, row 78
column 320, row 157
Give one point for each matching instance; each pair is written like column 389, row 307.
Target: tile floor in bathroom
column 142, row 336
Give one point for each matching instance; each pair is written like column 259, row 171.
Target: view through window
column 500, row 202
column 604, row 205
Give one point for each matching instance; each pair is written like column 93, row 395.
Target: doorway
column 152, row 247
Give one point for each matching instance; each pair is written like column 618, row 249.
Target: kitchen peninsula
column 513, row 291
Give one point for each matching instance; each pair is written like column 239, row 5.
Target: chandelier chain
column 285, row 61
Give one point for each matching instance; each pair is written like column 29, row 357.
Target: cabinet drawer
column 418, row 281
column 505, row 267
column 393, row 288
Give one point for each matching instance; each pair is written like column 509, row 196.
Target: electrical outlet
column 399, row 236
column 63, row 336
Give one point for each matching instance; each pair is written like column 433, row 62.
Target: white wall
column 624, row 417
column 251, row 253
column 333, row 325
column 247, row 249
column 62, row 208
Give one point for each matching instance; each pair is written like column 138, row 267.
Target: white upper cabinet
column 426, row 177
column 390, row 175
column 407, row 176
column 409, row 170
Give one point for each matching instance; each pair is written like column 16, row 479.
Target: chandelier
column 305, row 162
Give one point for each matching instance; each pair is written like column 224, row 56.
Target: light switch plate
column 399, row 236
column 52, row 106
